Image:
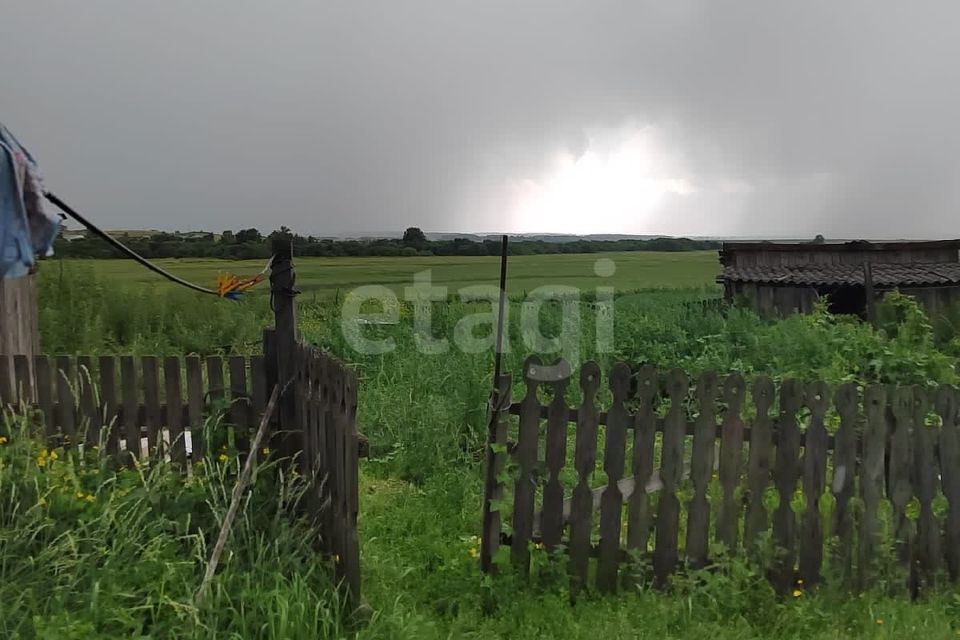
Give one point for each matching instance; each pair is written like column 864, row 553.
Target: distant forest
column 250, row 243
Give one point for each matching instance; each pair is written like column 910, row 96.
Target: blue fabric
column 26, row 230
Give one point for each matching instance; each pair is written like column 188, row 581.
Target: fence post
column 282, row 296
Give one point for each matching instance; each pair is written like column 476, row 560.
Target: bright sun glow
column 616, row 184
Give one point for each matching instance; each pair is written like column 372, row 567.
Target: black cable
column 95, row 230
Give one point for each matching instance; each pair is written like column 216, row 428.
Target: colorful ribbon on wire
column 232, row 287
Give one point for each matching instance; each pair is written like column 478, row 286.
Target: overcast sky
column 681, row 117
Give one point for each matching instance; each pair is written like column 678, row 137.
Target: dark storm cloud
column 788, row 119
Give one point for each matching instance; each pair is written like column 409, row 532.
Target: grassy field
column 125, row 564
column 634, row 270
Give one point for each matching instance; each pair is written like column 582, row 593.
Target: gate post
column 282, row 297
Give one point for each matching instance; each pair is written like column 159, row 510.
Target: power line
column 103, row 235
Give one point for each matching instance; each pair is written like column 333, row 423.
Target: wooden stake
column 868, row 294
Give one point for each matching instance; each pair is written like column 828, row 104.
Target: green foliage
column 83, row 313
column 92, row 551
column 249, row 243
column 818, row 346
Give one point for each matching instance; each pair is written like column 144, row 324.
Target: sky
column 750, row 119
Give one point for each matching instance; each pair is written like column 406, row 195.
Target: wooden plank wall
column 19, row 331
column 688, row 462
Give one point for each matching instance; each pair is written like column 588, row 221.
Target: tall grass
column 88, row 550
column 80, row 312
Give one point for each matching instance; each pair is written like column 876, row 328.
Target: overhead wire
column 106, row 237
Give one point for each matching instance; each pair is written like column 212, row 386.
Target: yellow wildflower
column 265, row 451
column 474, row 552
column 879, row 620
column 3, row 440
column 223, row 457
column 53, row 455
column 79, row 495
column 89, row 497
column 797, row 593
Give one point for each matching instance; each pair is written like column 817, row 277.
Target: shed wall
column 19, row 331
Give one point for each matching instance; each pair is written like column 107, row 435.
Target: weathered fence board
column 871, row 480
column 926, row 474
column 151, row 403
column 787, row 472
column 611, row 505
column 701, row 468
column 883, row 449
column 731, row 455
column 524, row 492
column 171, row 378
column 761, row 461
column 666, row 553
column 552, row 517
column 948, row 408
column 585, row 459
column 814, row 479
column 640, row 514
column 843, row 485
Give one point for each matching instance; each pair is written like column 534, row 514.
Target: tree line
column 251, row 244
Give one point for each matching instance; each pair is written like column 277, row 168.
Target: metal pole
column 496, row 435
column 503, row 300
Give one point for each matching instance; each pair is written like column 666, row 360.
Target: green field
column 634, row 270
column 126, row 564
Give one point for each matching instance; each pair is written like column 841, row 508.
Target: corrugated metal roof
column 883, row 274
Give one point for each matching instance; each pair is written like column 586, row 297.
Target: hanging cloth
column 27, row 230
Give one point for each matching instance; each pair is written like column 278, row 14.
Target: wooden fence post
column 282, row 295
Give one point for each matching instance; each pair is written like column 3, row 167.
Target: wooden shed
column 779, row 278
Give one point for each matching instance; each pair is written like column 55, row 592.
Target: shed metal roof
column 850, row 245
column 882, row 274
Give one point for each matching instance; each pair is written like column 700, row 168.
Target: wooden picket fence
column 149, row 406
column 685, row 471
